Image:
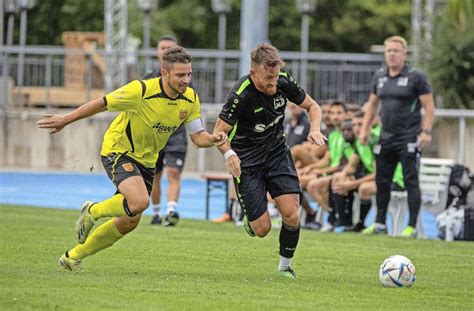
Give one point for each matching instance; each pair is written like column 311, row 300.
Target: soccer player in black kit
column 402, row 91
column 257, row 155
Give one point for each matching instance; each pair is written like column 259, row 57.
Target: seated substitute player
column 358, row 175
column 296, row 127
column 316, row 178
column 257, row 155
column 151, row 111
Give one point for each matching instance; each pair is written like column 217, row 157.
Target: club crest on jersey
column 278, row 102
column 183, row 114
column 128, row 167
column 402, row 81
column 381, row 82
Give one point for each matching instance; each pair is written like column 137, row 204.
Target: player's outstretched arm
column 57, row 122
column 203, row 139
column 314, row 113
column 232, row 161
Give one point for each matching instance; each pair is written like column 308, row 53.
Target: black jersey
column 400, row 104
column 177, row 142
column 257, row 118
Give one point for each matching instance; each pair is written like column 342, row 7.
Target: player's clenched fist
column 219, row 138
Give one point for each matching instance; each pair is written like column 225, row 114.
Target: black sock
column 365, row 206
column 340, row 203
column 350, row 202
column 230, row 208
column 332, row 216
column 289, row 237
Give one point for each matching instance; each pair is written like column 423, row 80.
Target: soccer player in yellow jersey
column 151, row 111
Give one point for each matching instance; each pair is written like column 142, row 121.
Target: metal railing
column 461, row 116
column 329, row 76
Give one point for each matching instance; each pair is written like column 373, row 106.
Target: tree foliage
column 336, row 26
column 50, row 18
column 452, row 65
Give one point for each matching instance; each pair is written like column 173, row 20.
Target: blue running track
column 69, row 190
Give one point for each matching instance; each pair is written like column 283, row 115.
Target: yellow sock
column 102, row 237
column 112, row 207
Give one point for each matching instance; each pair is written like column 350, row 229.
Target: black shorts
column 120, row 167
column 277, row 176
column 170, row 159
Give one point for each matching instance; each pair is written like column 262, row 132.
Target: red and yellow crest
column 183, row 114
column 128, row 167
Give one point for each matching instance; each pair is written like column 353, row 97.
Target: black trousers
column 387, row 159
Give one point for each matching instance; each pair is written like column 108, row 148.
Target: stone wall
column 77, row 147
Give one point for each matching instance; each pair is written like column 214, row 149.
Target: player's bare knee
column 365, row 191
column 173, row 175
column 312, row 186
column 292, row 218
column 263, row 230
column 138, row 204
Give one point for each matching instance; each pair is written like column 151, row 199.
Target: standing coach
column 402, row 91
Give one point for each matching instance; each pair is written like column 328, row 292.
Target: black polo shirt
column 257, row 118
column 400, row 104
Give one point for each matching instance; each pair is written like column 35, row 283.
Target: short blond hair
column 267, row 55
column 398, row 39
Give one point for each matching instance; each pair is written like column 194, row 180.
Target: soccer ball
column 397, row 271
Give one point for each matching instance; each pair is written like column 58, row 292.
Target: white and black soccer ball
column 397, row 271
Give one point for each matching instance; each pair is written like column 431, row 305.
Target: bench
column 434, row 184
column 216, row 181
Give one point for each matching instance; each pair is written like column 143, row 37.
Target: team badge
column 278, row 102
column 402, row 81
column 183, row 114
column 128, row 167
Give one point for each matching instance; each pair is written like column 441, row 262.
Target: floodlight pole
column 21, row 55
column 146, row 37
column 253, row 30
column 221, row 7
column 304, row 49
column 9, row 8
column 305, row 7
column 147, row 7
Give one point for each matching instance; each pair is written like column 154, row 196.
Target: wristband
column 229, row 153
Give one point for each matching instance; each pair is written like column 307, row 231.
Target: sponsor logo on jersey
column 262, row 127
column 278, row 102
column 183, row 114
column 159, row 128
column 381, row 82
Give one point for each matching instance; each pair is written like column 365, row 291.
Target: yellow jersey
column 148, row 119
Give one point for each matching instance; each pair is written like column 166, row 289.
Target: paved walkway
column 67, row 190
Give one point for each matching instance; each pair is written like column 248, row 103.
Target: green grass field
column 202, row 266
